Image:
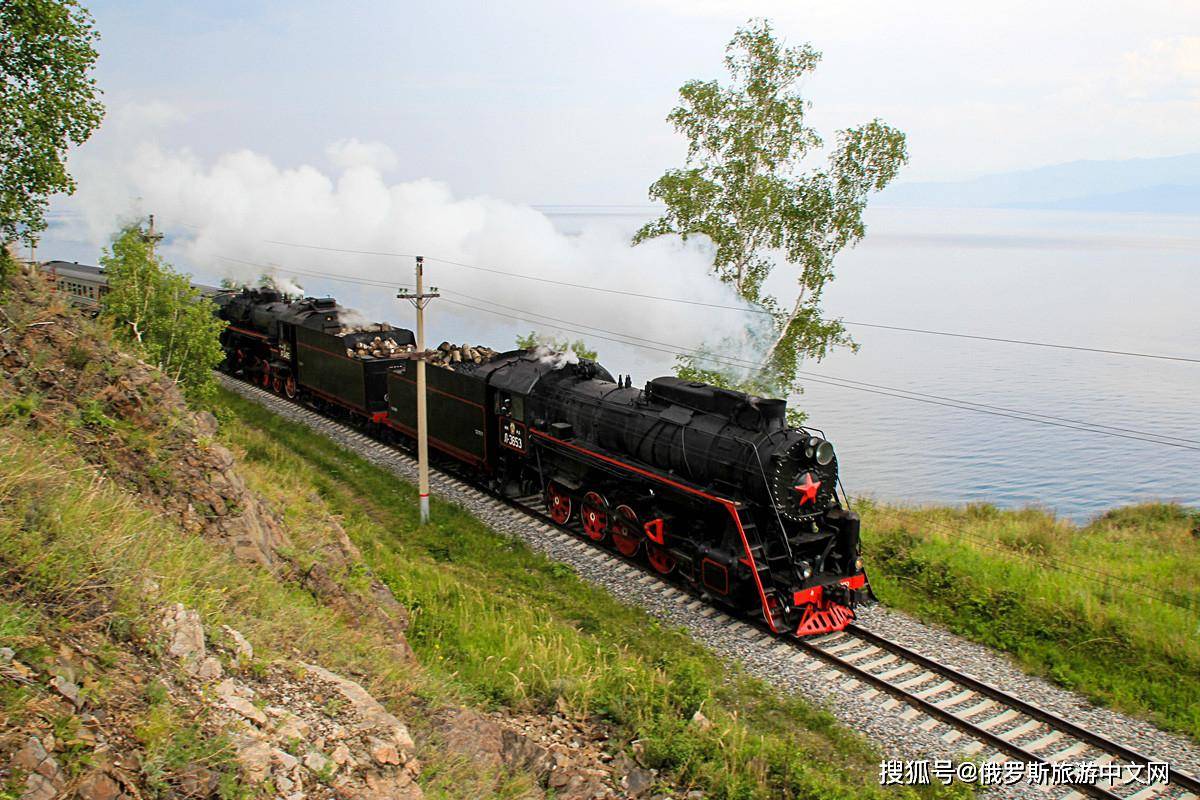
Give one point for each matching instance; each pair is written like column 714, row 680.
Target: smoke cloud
column 225, row 216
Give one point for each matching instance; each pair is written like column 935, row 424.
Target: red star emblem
column 808, row 489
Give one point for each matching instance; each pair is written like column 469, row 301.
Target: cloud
column 348, row 153
column 1163, row 69
column 226, row 217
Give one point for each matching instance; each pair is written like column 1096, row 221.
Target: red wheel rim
column 290, row 386
column 277, row 385
column 594, row 512
column 626, row 532
column 660, row 559
column 558, row 504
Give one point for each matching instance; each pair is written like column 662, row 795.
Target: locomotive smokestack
column 774, row 412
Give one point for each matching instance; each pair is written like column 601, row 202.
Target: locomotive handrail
column 728, row 504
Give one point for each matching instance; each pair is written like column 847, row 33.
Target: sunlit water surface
column 1124, row 282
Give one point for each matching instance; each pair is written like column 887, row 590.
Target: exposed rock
column 209, row 669
column 30, row 756
column 67, row 689
column 638, row 781
column 241, row 647
column 291, row 727
column 383, row 752
column 284, row 760
column 342, row 757
column 254, row 758
column 99, row 786
column 370, row 711
column 399, row 786
column 198, row 781
column 184, row 634
column 38, row 787
column 316, row 762
column 44, row 778
column 700, row 721
column 247, row 709
column 484, row 741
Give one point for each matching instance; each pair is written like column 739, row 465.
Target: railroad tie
column 1073, row 750
column 999, row 719
column 900, row 670
column 869, row 651
column 843, row 646
column 954, row 700
column 972, row 747
column 978, row 708
column 879, row 662
column 1044, row 742
column 1020, row 730
column 917, row 681
column 925, row 694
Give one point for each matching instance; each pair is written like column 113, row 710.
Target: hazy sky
column 563, row 102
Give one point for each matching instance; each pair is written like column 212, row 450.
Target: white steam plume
column 558, row 359
column 234, row 206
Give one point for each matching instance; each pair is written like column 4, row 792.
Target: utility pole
column 151, row 237
column 419, row 301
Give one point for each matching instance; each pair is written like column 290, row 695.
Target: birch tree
column 158, row 310
column 750, row 185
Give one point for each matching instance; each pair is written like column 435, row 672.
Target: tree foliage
column 578, row 347
column 157, row 309
column 748, row 185
column 48, row 102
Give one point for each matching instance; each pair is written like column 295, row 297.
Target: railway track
column 968, row 715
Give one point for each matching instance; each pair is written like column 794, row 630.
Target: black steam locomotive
column 707, row 484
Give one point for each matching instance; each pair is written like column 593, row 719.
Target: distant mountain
column 1163, row 185
column 1166, row 199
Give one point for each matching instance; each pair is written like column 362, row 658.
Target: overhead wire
column 733, row 361
column 818, row 378
column 757, row 365
column 745, row 309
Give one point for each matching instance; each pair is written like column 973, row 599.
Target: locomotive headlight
column 824, row 453
column 805, row 570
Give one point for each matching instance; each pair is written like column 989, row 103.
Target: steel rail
column 1098, row 741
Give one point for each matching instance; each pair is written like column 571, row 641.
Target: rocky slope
column 170, row 704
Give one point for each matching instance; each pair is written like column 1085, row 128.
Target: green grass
column 500, row 625
column 1030, row 584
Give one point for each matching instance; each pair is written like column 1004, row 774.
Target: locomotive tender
column 705, row 483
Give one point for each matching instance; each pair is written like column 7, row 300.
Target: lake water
column 1124, row 282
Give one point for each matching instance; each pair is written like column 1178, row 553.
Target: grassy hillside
column 1110, row 609
column 502, row 625
column 116, row 500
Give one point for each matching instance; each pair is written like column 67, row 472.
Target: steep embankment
column 190, row 609
column 168, row 633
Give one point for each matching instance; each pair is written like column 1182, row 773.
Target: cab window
column 509, row 405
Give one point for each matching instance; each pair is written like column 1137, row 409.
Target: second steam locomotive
column 707, row 484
